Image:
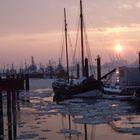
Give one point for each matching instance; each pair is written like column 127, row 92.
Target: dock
column 11, row 85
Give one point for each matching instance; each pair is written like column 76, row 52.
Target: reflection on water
column 37, row 117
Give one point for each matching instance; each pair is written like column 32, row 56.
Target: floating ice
column 45, row 130
column 70, row 131
column 42, row 138
column 95, row 111
column 27, row 136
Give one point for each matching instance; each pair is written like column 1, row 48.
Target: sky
column 35, row 28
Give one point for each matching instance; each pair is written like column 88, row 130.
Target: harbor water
column 38, row 117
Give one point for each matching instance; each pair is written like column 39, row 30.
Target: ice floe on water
column 27, row 136
column 69, row 131
column 42, row 138
column 99, row 112
column 82, row 111
column 132, row 130
column 45, row 130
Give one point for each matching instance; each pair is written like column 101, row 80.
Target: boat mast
column 82, row 38
column 66, row 38
column 139, row 67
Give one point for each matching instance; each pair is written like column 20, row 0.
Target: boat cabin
column 129, row 76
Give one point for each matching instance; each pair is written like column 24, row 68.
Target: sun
column 118, row 48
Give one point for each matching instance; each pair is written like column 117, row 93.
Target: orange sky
column 34, row 28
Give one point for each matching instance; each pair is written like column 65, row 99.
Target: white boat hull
column 112, row 90
column 90, row 94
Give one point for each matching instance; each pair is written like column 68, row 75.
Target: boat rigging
column 86, row 85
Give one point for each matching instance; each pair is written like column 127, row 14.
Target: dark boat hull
column 67, row 91
column 137, row 96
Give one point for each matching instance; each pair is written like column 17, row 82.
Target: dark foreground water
column 77, row 119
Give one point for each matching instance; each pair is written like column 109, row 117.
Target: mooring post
column 78, row 71
column 27, row 82
column 9, row 114
column 85, row 128
column 69, row 125
column 17, row 91
column 18, row 104
column 14, row 113
column 139, row 68
column 19, row 86
column 98, row 67
column 69, row 121
column 22, row 81
column 86, row 68
column 1, row 118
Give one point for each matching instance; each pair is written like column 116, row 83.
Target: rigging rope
column 88, row 50
column 75, row 47
column 70, row 42
column 62, row 50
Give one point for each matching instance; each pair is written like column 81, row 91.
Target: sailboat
column 86, row 85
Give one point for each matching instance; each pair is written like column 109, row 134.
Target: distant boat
column 124, row 83
column 86, row 85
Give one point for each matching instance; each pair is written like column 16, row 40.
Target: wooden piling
column 22, row 81
column 27, row 82
column 17, row 97
column 1, row 118
column 85, row 128
column 139, row 68
column 12, row 84
column 86, row 68
column 14, row 114
column 78, row 71
column 98, row 67
column 9, row 114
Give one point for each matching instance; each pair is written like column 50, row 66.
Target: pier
column 10, row 85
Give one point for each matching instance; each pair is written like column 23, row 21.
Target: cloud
column 125, row 6
column 129, row 4
column 38, row 38
column 138, row 4
column 34, row 23
column 116, row 29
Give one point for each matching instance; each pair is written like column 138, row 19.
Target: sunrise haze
column 34, row 28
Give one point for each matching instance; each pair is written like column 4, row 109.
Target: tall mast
column 82, row 38
column 139, row 68
column 66, row 38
